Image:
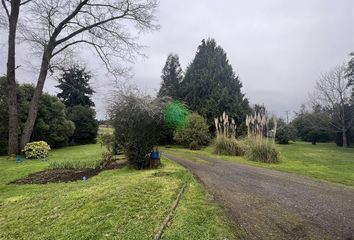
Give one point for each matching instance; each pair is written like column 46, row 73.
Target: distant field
column 102, row 129
column 324, row 161
column 115, row 204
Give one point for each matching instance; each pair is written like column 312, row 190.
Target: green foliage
column 285, row 134
column 171, row 78
column 175, row 115
column 166, row 135
column 211, row 87
column 349, row 73
column 194, row 145
column 36, row 150
column 74, row 83
column 52, row 124
column 86, row 126
column 261, row 151
column 137, row 121
column 196, row 131
column 313, row 126
column 71, row 163
column 108, row 141
column 229, row 146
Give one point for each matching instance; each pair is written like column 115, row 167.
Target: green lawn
column 116, row 204
column 324, row 160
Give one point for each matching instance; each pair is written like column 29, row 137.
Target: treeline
column 209, row 86
column 65, row 119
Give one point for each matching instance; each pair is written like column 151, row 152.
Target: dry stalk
column 258, row 127
column 225, row 126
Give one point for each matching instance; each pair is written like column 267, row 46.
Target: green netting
column 175, row 114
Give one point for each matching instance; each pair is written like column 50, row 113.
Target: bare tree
column 334, row 93
column 11, row 9
column 109, row 28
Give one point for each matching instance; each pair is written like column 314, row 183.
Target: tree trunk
column 344, row 129
column 344, row 135
column 33, row 107
column 11, row 79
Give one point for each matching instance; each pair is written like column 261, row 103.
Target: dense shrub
column 229, row 146
column 194, row 146
column 86, row 126
column 313, row 126
column 197, row 131
column 261, row 151
column 36, row 150
column 52, row 125
column 285, row 134
column 137, row 123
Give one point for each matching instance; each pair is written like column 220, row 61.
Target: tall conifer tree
column 75, row 87
column 172, row 76
column 210, row 85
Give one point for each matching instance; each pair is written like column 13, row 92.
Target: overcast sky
column 277, row 47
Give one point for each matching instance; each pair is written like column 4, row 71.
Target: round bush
column 197, row 131
column 137, row 123
column 36, row 150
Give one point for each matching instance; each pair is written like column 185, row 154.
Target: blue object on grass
column 84, row 178
column 155, row 155
column 18, row 159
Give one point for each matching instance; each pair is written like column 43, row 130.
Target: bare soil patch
column 67, row 175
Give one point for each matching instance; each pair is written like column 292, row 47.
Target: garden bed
column 66, row 175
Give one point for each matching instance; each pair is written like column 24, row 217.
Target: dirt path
column 268, row 204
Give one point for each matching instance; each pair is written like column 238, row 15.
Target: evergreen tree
column 211, row 87
column 74, row 83
column 76, row 95
column 171, row 77
column 86, row 126
column 350, row 72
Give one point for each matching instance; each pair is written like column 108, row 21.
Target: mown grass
column 324, row 161
column 116, row 204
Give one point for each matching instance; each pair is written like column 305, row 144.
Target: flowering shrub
column 36, row 150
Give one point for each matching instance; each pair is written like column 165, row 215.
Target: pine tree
column 74, row 83
column 172, row 76
column 210, row 86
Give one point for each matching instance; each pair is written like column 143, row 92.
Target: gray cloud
column 277, row 47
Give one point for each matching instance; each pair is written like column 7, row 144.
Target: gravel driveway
column 268, row 204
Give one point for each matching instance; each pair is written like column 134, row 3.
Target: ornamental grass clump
column 258, row 147
column 261, row 151
column 229, row 146
column 226, row 142
column 36, row 150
